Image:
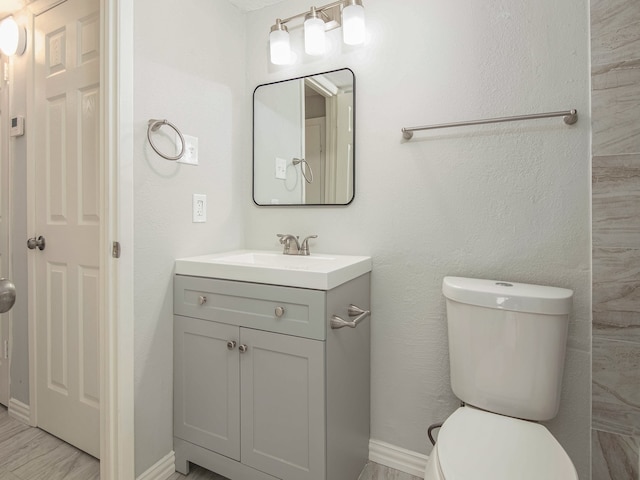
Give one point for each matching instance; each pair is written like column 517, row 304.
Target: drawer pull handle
column 231, row 344
column 279, row 311
column 202, row 299
column 243, row 348
column 337, row 322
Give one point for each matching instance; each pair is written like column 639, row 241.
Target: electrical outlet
column 190, row 156
column 199, row 208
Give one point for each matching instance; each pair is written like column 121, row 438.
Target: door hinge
column 115, row 250
column 6, row 349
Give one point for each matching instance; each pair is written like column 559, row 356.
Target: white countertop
column 316, row 271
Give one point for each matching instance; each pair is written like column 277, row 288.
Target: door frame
column 6, row 202
column 116, row 156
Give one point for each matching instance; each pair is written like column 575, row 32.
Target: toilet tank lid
column 517, row 297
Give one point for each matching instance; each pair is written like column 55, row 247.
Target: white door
column 66, row 195
column 344, row 141
column 314, row 154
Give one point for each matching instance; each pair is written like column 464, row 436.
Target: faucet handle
column 304, row 248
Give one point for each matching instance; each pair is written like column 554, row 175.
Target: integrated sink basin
column 316, row 271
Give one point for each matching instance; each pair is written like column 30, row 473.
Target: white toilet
column 506, row 348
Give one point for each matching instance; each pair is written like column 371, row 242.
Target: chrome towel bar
column 569, row 116
column 337, row 322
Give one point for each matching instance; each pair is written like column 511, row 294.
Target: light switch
column 281, row 168
column 190, row 156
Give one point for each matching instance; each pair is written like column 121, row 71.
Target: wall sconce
column 346, row 13
column 13, row 37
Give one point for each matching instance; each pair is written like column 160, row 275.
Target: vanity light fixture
column 346, row 13
column 13, row 37
column 353, row 27
column 279, row 44
column 314, row 43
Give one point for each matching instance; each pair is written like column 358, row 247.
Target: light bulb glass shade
column 314, row 42
column 353, row 26
column 280, row 47
column 12, row 37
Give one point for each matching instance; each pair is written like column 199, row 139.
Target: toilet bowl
column 478, row 445
column 507, row 344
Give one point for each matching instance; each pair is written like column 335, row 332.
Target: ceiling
column 10, row 6
column 248, row 5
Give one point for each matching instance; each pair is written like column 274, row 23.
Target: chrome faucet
column 300, row 249
column 285, row 239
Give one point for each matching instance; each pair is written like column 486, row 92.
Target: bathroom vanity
column 264, row 386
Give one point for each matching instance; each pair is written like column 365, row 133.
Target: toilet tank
column 507, row 345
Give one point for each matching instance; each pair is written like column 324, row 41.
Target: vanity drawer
column 252, row 305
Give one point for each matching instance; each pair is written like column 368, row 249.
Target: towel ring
column 154, row 126
column 302, row 163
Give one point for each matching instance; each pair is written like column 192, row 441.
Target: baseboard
column 383, row 453
column 397, row 458
column 162, row 469
column 20, row 411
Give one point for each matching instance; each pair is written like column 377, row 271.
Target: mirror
column 303, row 140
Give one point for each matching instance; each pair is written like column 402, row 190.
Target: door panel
column 315, row 157
column 283, row 405
column 66, row 196
column 206, row 385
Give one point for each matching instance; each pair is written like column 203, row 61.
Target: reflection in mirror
column 303, row 140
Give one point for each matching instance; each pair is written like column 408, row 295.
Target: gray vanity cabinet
column 253, row 401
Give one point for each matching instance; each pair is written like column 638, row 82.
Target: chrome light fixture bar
column 346, row 13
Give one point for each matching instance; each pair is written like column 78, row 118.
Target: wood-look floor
column 28, row 453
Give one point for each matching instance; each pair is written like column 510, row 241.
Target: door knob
column 243, row 348
column 7, row 295
column 231, row 344
column 34, row 243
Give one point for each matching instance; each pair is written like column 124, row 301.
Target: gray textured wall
column 189, row 68
column 504, row 201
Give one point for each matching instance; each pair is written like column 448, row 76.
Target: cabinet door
column 283, row 405
column 206, row 394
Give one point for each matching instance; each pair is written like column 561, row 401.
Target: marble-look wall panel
column 615, row 108
column 614, row 457
column 616, row 201
column 615, row 31
column 616, row 294
column 616, row 381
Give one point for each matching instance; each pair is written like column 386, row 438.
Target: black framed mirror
column 304, row 140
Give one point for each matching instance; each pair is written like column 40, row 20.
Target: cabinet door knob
column 202, row 299
column 231, row 344
column 243, row 348
column 279, row 311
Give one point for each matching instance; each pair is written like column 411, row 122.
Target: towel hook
column 154, row 126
